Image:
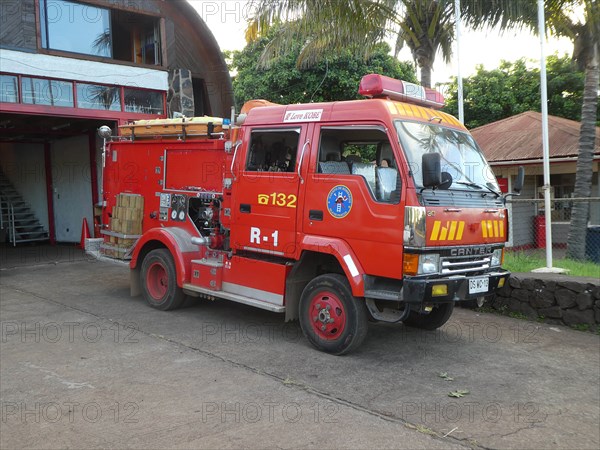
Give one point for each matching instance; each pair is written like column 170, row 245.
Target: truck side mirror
column 518, row 187
column 432, row 170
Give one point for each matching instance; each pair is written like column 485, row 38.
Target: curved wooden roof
column 196, row 48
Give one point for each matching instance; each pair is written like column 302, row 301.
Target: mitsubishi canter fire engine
column 380, row 209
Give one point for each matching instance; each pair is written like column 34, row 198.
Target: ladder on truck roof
column 180, row 128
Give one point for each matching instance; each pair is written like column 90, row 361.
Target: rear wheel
column 332, row 319
column 437, row 317
column 159, row 281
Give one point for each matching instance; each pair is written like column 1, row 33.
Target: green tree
column 424, row 26
column 513, row 88
column 335, row 78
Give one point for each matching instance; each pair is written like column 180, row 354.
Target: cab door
column 354, row 192
column 265, row 190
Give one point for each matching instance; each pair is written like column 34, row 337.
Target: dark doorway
column 201, row 103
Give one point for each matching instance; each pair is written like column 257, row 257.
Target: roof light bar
column 377, row 86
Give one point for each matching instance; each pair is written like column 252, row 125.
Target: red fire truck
column 381, row 209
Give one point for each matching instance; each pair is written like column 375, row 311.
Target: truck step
column 190, row 289
column 381, row 294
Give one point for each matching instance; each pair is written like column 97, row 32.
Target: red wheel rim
column 157, row 281
column 327, row 315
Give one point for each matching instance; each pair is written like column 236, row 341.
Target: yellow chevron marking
column 492, row 228
column 420, row 112
column 452, row 231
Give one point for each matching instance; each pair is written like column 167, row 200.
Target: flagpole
column 461, row 113
column 545, row 143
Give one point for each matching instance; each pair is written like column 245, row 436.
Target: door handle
column 315, row 214
column 245, row 208
column 306, row 144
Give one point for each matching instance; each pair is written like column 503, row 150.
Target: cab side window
column 364, row 152
column 273, row 150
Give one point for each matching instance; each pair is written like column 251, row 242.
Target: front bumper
column 418, row 290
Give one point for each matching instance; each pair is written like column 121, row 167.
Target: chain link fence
column 528, row 226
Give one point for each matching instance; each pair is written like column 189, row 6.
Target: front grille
column 459, row 265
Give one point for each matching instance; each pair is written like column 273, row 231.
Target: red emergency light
column 377, row 86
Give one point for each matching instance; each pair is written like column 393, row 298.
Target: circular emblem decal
column 339, row 202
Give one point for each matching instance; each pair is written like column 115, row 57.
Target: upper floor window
column 76, row 94
column 91, row 30
column 41, row 91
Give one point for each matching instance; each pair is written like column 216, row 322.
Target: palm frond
column 321, row 25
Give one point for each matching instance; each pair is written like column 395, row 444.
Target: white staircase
column 16, row 216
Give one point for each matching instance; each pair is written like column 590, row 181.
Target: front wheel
column 332, row 319
column 437, row 317
column 159, row 281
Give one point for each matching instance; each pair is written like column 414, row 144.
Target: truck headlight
column 424, row 264
column 429, row 263
column 497, row 257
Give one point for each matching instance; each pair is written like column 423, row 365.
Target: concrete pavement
column 84, row 365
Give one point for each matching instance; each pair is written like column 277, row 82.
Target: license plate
column 477, row 285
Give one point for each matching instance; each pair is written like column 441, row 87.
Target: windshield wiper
column 477, row 186
column 468, row 183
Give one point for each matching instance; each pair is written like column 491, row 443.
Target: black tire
column 159, row 281
column 438, row 316
column 331, row 318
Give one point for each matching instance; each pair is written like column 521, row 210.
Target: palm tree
column 586, row 38
column 425, row 27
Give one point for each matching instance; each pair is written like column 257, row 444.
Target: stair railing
column 2, row 212
column 11, row 221
column 6, row 207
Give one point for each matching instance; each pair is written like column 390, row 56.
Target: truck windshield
column 461, row 157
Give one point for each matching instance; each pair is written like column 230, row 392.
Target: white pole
column 545, row 143
column 461, row 112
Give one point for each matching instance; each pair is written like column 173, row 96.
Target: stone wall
column 180, row 97
column 558, row 299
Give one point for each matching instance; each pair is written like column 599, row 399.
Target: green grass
column 517, row 315
column 525, row 262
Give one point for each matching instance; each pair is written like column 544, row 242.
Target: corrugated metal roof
column 520, row 138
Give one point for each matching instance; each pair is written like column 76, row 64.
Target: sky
column 227, row 21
